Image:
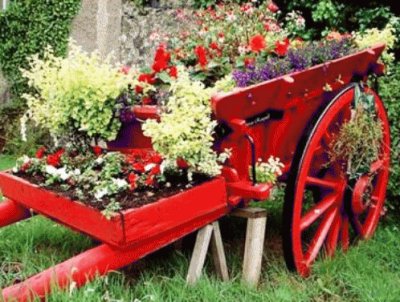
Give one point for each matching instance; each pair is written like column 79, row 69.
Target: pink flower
column 273, row 8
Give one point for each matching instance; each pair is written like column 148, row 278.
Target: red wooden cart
column 291, row 117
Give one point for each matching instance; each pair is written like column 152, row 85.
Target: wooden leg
column 254, row 248
column 199, row 254
column 219, row 253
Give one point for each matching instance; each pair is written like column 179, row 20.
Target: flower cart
column 294, row 117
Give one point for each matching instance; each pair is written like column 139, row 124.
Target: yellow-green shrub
column 74, row 95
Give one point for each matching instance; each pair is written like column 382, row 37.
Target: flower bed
column 187, row 210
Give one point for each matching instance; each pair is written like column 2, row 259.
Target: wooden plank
column 249, row 213
column 171, row 212
column 199, row 254
column 254, row 248
column 218, row 253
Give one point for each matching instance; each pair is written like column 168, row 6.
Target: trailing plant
column 74, row 95
column 358, row 143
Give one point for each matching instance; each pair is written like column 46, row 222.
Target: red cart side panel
column 132, row 225
column 286, row 91
column 174, row 211
column 73, row 214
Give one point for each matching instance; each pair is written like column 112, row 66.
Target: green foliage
column 27, row 27
column 390, row 93
column 185, row 130
column 76, row 95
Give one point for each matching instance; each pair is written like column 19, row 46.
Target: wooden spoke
column 317, row 211
column 333, row 237
column 344, row 233
column 320, row 236
column 357, row 226
column 328, row 184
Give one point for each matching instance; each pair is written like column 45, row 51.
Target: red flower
column 249, row 61
column 221, row 35
column 147, row 78
column 54, row 159
column 25, row 166
column 132, row 178
column 97, row 150
column 149, row 180
column 147, row 101
column 214, row 45
column 281, row 47
column 155, row 171
column 182, row 164
column 157, row 159
column 257, row 43
column 138, row 167
column 201, row 54
column 138, row 89
column 40, row 152
column 173, row 72
column 161, row 59
column 159, row 65
column 272, row 7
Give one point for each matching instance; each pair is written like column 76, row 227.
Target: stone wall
column 98, row 26
column 143, row 29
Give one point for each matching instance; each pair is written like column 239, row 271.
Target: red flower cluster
column 55, row 158
column 145, row 167
column 257, row 43
column 201, row 54
column 40, row 152
column 281, row 47
column 161, row 59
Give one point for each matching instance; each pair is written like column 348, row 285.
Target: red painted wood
column 131, row 135
column 136, row 224
column 174, row 211
column 243, row 103
column 11, row 212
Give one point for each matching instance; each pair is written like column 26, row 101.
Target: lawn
column 368, row 272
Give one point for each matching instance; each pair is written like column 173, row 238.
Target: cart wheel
column 323, row 208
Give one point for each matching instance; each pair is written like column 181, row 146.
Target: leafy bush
column 185, row 131
column 76, row 95
column 390, row 93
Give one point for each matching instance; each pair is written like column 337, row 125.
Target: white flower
column 99, row 194
column 77, row 172
column 120, row 183
column 148, row 167
column 230, row 17
column 51, row 170
column 242, row 50
column 99, row 160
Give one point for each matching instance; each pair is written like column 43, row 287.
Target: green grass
column 370, row 271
